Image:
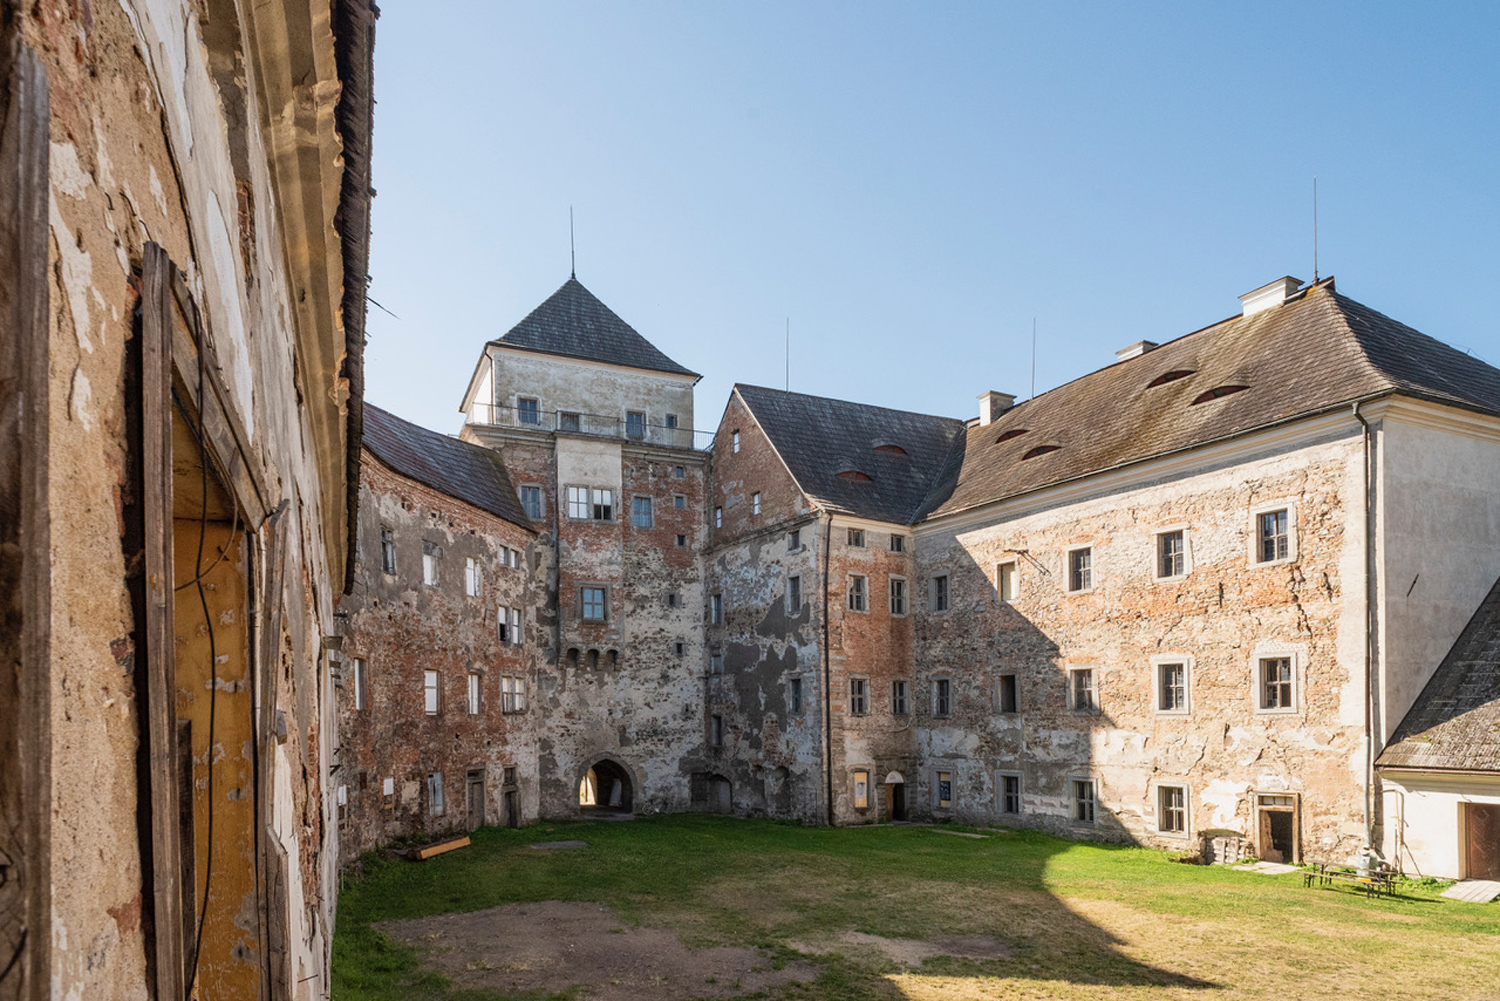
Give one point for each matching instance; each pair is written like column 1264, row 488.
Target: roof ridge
column 847, row 403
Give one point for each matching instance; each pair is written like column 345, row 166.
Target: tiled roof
column 470, row 473
column 575, row 324
column 819, row 438
column 1317, row 351
column 1455, row 722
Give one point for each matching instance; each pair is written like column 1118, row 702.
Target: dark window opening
column 1172, row 376
column 1040, row 450
column 1216, row 392
column 890, row 449
column 1012, row 433
column 854, row 476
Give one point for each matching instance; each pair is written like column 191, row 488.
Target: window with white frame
column 528, row 410
column 793, row 595
column 859, row 696
column 734, row 441
column 1010, row 793
column 856, row 538
column 898, row 596
column 512, row 694
column 435, row 793
column 716, row 609
column 755, row 503
column 1276, row 683
column 387, row 550
column 516, row 636
column 473, row 583
column 593, row 603
column 898, row 543
column 578, row 503
column 937, row 593
column 1083, row 697
column 635, row 424
column 942, row 789
column 942, row 697
column 531, row 500
column 1081, row 569
column 1005, row 581
column 361, row 693
column 861, row 789
column 431, row 701
column 604, row 504
column 1008, row 693
column 1173, row 686
column 1275, row 534
column 718, row 517
column 1085, row 800
column 473, row 694
column 858, row 597
column 1171, row 554
column 1171, row 809
column 900, row 697
column 641, row 515
column 430, row 556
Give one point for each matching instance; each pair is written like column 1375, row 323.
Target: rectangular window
column 578, row 503
column 680, row 648
column 430, row 564
column 1171, row 688
column 1171, row 809
column 898, row 543
column 671, row 420
column 794, row 540
column 898, row 596
column 435, row 793
column 528, row 410
column 755, row 503
column 635, row 424
column 1277, row 687
column 1271, row 536
column 640, row 512
column 679, row 502
column 857, row 602
column 604, row 505
column 793, row 595
column 430, row 694
column 516, row 636
column 716, row 609
column 1171, row 554
column 387, row 550
column 718, row 517
column 938, row 593
column 942, row 697
column 716, row 663
column 473, row 694
column 678, row 472
column 900, row 704
column 361, row 696
column 1005, row 581
column 1080, row 569
column 512, row 695
column 794, row 696
column 1082, row 698
column 472, row 583
column 1007, row 694
column 672, row 599
column 681, row 542
column 859, row 696
column 1083, row 801
column 716, row 730
column 861, row 790
column 857, row 538
column 944, row 790
column 1010, row 794
column 531, row 500
column 594, row 601
column 734, row 441
column 568, row 420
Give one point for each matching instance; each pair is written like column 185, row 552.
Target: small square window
column 793, row 595
column 755, row 503
column 568, row 420
column 430, row 554
column 1272, row 536
column 794, row 540
column 1081, row 569
column 1172, row 687
column 1010, row 795
column 857, row 538
column 1082, row 697
column 531, row 500
column 859, row 696
column 943, row 790
column 681, row 541
column 1276, row 684
column 679, row 502
column 734, row 441
column 861, row 790
column 387, row 550
column 938, row 593
column 1007, row 694
column 942, row 697
column 635, row 424
column 898, row 596
column 594, row 602
column 794, row 696
column 528, row 410
column 671, row 420
column 1084, row 801
column 1005, row 581
column 431, row 701
column 678, row 472
column 716, row 610
column 900, row 703
column 641, row 515
column 1171, row 810
column 473, row 694
column 857, row 595
column 1171, row 554
column 898, row 543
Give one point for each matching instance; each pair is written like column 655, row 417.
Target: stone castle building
column 1191, row 594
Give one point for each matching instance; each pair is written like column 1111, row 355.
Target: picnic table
column 1375, row 881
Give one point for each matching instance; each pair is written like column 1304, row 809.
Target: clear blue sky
column 912, row 183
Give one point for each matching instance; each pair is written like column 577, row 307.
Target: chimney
column 992, row 405
column 1135, row 350
column 1269, row 296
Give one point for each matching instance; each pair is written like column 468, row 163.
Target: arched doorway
column 895, row 796
column 606, row 787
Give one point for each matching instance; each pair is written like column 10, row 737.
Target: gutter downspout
column 827, row 674
column 1370, row 635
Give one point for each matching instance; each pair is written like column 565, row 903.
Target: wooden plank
column 161, row 685
column 25, row 529
column 439, row 848
column 278, row 935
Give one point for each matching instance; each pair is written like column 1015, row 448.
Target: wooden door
column 1482, row 840
column 476, row 800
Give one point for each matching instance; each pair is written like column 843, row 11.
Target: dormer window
column 1172, row 376
column 853, row 475
column 890, row 449
column 1216, row 392
column 1012, row 433
column 1040, row 450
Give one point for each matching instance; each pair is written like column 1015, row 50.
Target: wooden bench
column 1374, row 882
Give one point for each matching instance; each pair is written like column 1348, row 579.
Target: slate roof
column 1315, row 352
column 470, row 473
column 818, row 438
column 573, row 323
column 1455, row 722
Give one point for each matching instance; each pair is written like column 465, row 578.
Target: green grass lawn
column 1082, row 920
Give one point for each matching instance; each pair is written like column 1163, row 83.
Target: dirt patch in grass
column 912, row 951
column 554, row 946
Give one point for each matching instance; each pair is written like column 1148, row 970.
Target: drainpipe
column 827, row 674
column 1370, row 634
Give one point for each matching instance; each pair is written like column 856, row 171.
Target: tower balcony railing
column 579, row 422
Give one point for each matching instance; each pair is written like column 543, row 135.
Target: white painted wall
column 1424, row 819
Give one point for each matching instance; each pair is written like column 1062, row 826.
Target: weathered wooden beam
column 440, row 847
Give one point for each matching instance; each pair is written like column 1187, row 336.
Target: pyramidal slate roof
column 819, row 438
column 1316, row 352
column 470, row 473
column 573, row 323
column 1455, row 722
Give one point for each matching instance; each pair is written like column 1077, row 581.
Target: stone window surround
column 999, row 689
column 793, row 608
column 1297, row 654
column 938, row 710
column 1068, row 569
column 854, row 773
column 591, row 502
column 1001, row 774
column 645, row 423
column 890, row 595
column 902, row 708
column 512, row 695
column 934, row 594
column 1187, row 552
column 938, row 803
column 650, row 510
column 474, row 694
column 1015, row 581
column 862, row 682
column 591, row 586
column 541, row 513
column 1073, row 707
column 755, row 502
column 863, row 593
column 1288, row 505
column 1074, row 800
column 432, row 692
column 1161, row 660
column 1173, row 782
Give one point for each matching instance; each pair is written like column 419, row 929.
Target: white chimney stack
column 992, row 405
column 1269, row 296
column 1135, row 350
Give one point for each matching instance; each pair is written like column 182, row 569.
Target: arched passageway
column 606, row 786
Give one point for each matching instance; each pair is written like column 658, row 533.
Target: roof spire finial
column 1315, row 229
column 572, row 250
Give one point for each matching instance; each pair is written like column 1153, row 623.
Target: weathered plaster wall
column 1218, row 618
column 401, row 628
